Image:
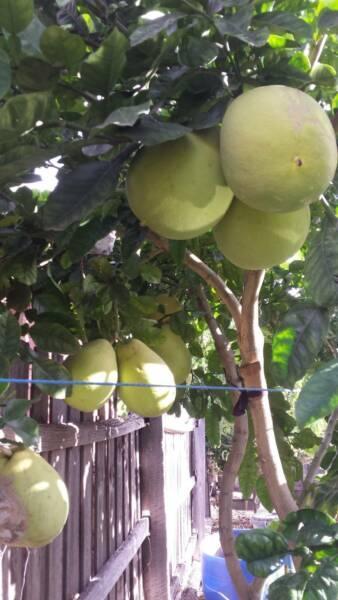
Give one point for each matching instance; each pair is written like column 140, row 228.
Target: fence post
column 153, row 503
column 199, row 503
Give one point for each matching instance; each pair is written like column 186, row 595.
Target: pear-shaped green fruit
column 137, row 363
column 278, row 148
column 34, row 500
column 177, row 188
column 172, row 349
column 252, row 239
column 95, row 363
column 167, row 306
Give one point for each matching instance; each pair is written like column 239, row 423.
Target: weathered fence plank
column 199, row 459
column 116, row 565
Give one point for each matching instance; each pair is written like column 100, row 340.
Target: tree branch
column 318, row 457
column 207, row 274
column 252, row 370
column 236, row 454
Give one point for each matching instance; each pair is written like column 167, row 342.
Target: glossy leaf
column 281, row 22
column 81, row 191
column 149, row 30
column 9, row 335
column 321, row 265
column 103, row 67
column 61, row 47
column 151, row 131
column 5, row 73
column 319, row 396
column 47, row 369
column 26, row 428
column 262, row 549
column 263, row 493
column 298, row 342
column 20, row 113
column 54, row 337
column 328, row 20
column 15, row 15
column 16, row 408
column 248, row 472
column 289, row 587
column 126, row 116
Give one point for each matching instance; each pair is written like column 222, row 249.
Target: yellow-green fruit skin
column 278, row 148
column 42, row 493
column 137, row 363
column 168, row 305
column 172, row 349
column 177, row 189
column 252, row 239
column 95, row 362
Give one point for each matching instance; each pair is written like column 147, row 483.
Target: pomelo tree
column 89, row 83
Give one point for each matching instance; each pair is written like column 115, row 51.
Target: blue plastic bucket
column 216, row 580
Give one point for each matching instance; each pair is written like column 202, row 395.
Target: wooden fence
column 121, row 476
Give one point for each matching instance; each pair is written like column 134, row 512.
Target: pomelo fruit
column 34, row 500
column 172, row 349
column 278, row 148
column 252, row 239
column 167, row 306
column 324, row 75
column 177, row 189
column 137, row 363
column 95, row 362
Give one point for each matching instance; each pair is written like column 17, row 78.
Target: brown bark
column 233, row 463
column 251, row 342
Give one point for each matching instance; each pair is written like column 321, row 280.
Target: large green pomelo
column 137, row 363
column 252, row 239
column 172, row 349
column 95, row 362
column 177, row 189
column 278, row 148
column 34, row 500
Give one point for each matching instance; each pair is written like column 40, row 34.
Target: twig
column 318, row 50
column 318, row 457
column 207, row 274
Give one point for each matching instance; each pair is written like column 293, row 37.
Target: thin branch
column 207, row 274
column 318, row 457
column 318, row 50
column 238, row 446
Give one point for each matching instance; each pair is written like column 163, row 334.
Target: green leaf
column 151, row 131
column 319, row 396
column 26, row 79
column 321, row 265
column 281, row 22
column 21, row 159
column 289, row 587
column 126, row 116
column 16, row 409
column 248, row 472
column 324, row 581
column 21, row 113
column 24, row 268
column 53, row 337
column 86, row 236
column 328, row 19
column 212, row 427
column 298, row 521
column 262, row 549
column 5, row 73
column 152, row 28
column 263, row 493
column 103, row 67
column 238, row 24
column 177, row 250
column 195, row 52
column 9, row 335
column 26, row 428
column 47, row 369
column 15, row 15
column 151, row 273
column 87, row 187
column 61, row 47
column 305, row 439
column 298, row 342
column 4, row 372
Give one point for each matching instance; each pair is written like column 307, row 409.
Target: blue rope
column 226, row 388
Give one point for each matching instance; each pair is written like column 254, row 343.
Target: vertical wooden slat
column 138, row 514
column 111, row 541
column 126, row 508
column 156, row 568
column 199, row 491
column 133, row 514
column 101, row 541
column 57, row 458
column 119, row 499
column 71, row 564
column 86, row 515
